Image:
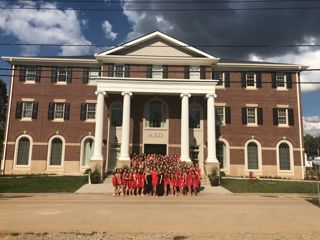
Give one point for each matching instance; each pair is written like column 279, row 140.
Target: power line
column 183, row 46
column 163, row 9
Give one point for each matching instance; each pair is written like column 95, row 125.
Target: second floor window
column 26, row 110
column 62, row 74
column 91, row 111
column 157, row 71
column 119, row 71
column 251, row 116
column 283, row 117
column 250, row 80
column 194, row 72
column 31, row 73
column 281, row 80
column 219, row 76
column 220, row 115
column 58, row 111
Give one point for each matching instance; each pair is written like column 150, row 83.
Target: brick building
column 154, row 94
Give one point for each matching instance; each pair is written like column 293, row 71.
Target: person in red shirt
column 181, row 183
column 141, row 182
column 189, row 183
column 196, row 182
column 116, row 183
column 154, row 175
column 124, row 182
column 166, row 183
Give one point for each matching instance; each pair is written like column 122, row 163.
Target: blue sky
column 193, row 27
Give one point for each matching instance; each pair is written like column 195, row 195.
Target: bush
column 214, row 177
column 95, row 176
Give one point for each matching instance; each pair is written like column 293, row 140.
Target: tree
column 312, row 145
column 3, row 110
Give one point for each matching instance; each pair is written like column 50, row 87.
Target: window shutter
column 66, row 111
column 227, row 79
column 18, row 110
column 69, row 77
column 290, row 117
column 243, row 79
column 186, row 72
column 127, row 70
column 83, row 111
column 38, row 74
column 275, row 116
column 22, row 76
column 244, row 115
column 228, row 115
column 202, row 72
column 274, row 81
column 34, row 110
column 54, row 74
column 289, row 80
column 111, row 70
column 149, row 71
column 258, row 80
column 260, row 116
column 165, row 71
column 50, row 111
column 85, row 75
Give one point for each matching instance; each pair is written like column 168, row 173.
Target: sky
column 116, row 22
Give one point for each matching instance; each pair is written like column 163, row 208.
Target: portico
column 129, row 87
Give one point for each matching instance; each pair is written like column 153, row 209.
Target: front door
column 155, row 148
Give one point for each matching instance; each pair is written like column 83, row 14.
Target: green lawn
column 268, row 186
column 41, row 184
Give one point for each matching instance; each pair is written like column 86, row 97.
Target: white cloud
column 44, row 26
column 107, row 28
column 311, row 125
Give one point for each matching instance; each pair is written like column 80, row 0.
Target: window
column 220, row 115
column 253, row 156
column 157, row 71
column 284, row 157
column 119, row 71
column 62, row 75
column 219, row 76
column 88, row 147
column 281, row 80
column 222, row 154
column 91, row 111
column 250, row 80
column 252, row 116
column 93, row 73
column 282, row 116
column 194, row 116
column 31, row 73
column 59, row 109
column 194, row 72
column 27, row 108
column 156, row 114
column 23, row 152
column 56, row 152
column 116, row 115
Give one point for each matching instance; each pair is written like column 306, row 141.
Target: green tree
column 3, row 110
column 312, row 145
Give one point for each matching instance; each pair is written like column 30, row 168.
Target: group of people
column 157, row 175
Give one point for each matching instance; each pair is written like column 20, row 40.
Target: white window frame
column 259, row 170
column 287, row 117
column 223, row 113
column 256, row 116
column 285, row 172
column 254, row 79
column 55, row 111
column 62, row 74
column 82, row 167
column 87, row 111
column 146, row 114
column 222, row 80
column 62, row 154
column 31, row 74
column 93, row 73
column 226, row 168
column 115, row 71
column 194, row 73
column 157, row 71
column 23, row 110
column 284, row 81
column 16, row 149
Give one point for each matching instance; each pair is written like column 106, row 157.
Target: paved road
column 207, row 213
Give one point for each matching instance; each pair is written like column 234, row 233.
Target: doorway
column 155, row 148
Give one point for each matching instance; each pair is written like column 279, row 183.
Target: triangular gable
column 156, row 44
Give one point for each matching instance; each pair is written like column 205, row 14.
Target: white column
column 185, row 127
column 98, row 136
column 211, row 129
column 124, row 154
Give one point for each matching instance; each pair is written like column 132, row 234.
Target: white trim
column 7, row 124
column 16, row 149
column 255, row 124
column 262, row 66
column 154, row 35
column 82, row 150
column 285, row 87
column 62, row 154
column 291, row 171
column 259, row 170
column 226, row 170
column 254, row 87
column 300, row 125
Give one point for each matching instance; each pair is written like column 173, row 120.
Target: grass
column 268, row 186
column 41, row 184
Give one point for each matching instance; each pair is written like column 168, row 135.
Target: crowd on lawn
column 157, row 175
